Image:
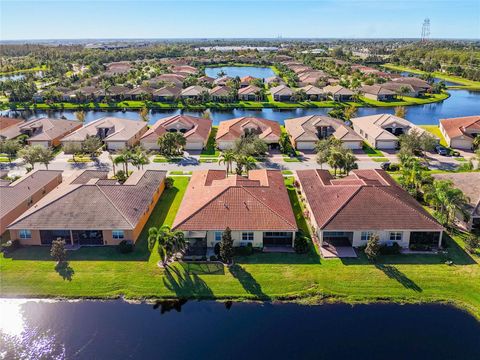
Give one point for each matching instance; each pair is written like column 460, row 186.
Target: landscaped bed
column 103, row 272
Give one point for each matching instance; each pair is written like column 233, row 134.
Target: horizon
column 159, row 20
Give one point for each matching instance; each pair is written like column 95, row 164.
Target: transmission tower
column 426, row 30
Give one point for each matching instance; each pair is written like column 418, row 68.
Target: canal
column 34, row 329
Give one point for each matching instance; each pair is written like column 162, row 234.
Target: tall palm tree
column 110, row 157
column 126, row 154
column 139, row 158
column 227, row 157
column 168, row 242
column 119, row 159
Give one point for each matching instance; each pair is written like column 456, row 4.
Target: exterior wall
column 143, row 220
column 237, row 238
column 194, row 145
column 134, row 140
column 305, row 145
column 20, row 209
column 35, row 240
column 353, row 145
column 149, row 145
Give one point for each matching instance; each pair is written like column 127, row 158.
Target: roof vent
column 226, row 206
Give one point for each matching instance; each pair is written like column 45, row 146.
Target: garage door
column 386, row 144
column 149, row 145
column 305, row 145
column 353, row 145
column 115, row 145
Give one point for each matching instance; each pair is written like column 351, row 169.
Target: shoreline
column 247, row 105
column 314, row 299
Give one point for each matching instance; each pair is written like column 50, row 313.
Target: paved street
column 191, row 163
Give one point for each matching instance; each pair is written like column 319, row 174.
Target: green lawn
column 405, row 100
column 163, row 159
column 464, row 83
column 367, row 149
column 211, row 148
column 435, row 130
column 379, row 159
column 105, row 273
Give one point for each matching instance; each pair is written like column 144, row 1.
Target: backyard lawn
column 103, row 272
column 435, row 130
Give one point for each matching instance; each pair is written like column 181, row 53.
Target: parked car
column 440, row 150
column 386, row 165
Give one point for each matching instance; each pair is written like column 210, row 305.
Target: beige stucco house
column 460, row 132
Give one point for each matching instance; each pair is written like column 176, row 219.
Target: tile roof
column 119, row 129
column 249, row 90
column 281, row 90
column 455, row 127
column 414, row 81
column 193, row 90
column 213, row 202
column 171, row 90
column 375, row 125
column 365, row 200
column 376, row 90
column 13, row 194
column 337, row 90
column 305, row 128
column 312, row 90
column 235, row 128
column 10, row 127
column 94, row 204
column 220, row 90
column 198, row 128
column 50, row 128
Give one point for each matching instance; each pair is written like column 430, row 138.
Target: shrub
column 121, row 176
column 216, row 249
column 125, row 247
column 390, row 249
column 372, row 250
column 169, row 182
column 244, row 250
column 301, row 243
column 472, row 243
column 394, row 167
column 213, row 258
column 10, row 246
column 57, row 251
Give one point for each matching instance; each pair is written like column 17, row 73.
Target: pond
column 195, row 330
column 19, row 76
column 240, row 71
column 460, row 103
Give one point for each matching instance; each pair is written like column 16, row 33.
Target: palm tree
column 126, row 155
column 119, row 159
column 80, row 115
column 169, row 242
column 476, row 142
column 227, row 157
column 446, row 200
column 110, row 157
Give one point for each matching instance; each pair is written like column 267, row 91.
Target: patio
column 334, row 252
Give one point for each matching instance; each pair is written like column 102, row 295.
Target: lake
column 240, row 71
column 460, row 103
column 19, row 76
column 195, row 330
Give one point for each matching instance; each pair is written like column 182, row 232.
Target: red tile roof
column 198, row 128
column 365, row 200
column 455, row 127
column 213, row 202
column 234, row 128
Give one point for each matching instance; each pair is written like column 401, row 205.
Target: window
column 118, row 234
column 366, row 235
column 396, row 236
column 218, row 236
column 247, row 236
column 25, row 234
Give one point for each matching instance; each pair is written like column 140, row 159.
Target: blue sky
column 73, row 19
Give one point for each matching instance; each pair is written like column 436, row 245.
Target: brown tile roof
column 171, row 90
column 455, row 127
column 376, row 90
column 365, row 200
column 234, row 128
column 198, row 128
column 312, row 90
column 337, row 89
column 281, row 90
column 193, row 90
column 119, row 129
column 305, row 128
column 10, row 127
column 249, row 90
column 51, row 128
column 14, row 194
column 220, row 90
column 414, row 81
column 95, row 205
column 213, row 202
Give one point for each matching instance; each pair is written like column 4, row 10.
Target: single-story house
column 378, row 92
column 120, row 67
column 311, row 77
column 222, row 81
column 421, row 85
column 168, row 93
column 48, row 132
column 116, row 133
column 18, row 196
column 195, row 130
column 460, row 132
column 305, row 131
column 246, row 80
column 174, row 79
column 193, row 92
column 185, row 69
column 349, row 211
column 314, row 93
column 206, row 80
column 90, row 209
column 469, row 183
column 281, row 93
column 256, row 208
column 338, row 93
column 250, row 93
column 274, row 80
column 382, row 130
column 10, row 127
column 221, row 93
column 139, row 93
column 231, row 130
column 404, row 89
